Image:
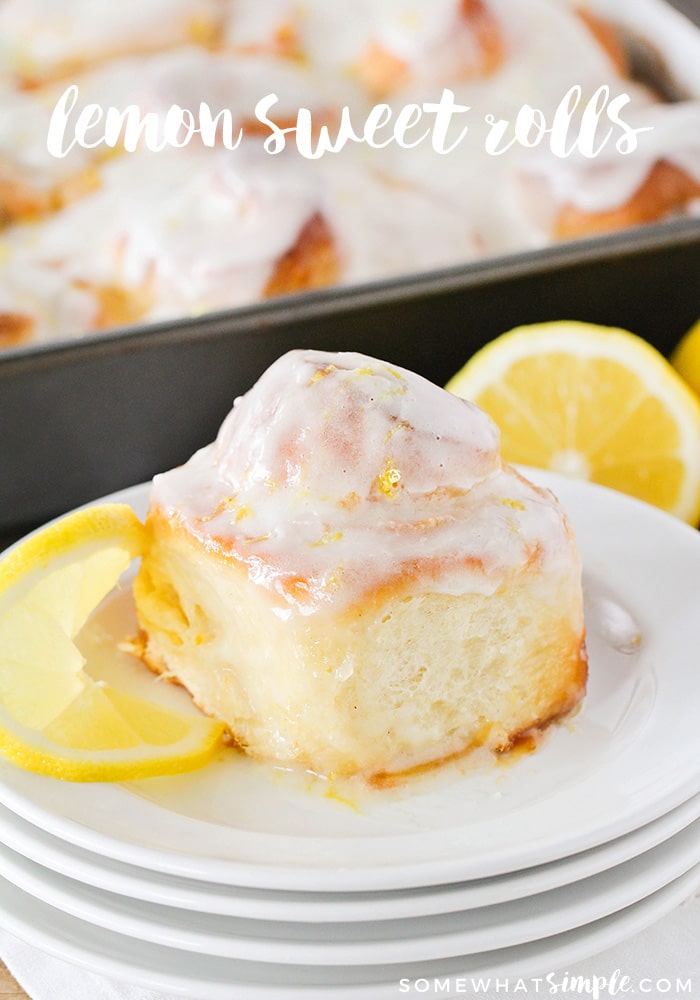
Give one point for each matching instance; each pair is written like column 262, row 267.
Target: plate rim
column 537, row 917
column 521, row 960
column 308, row 908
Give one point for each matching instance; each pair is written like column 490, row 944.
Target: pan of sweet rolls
column 141, row 290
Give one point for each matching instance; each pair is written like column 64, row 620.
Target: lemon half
column 686, row 358
column 594, row 402
column 54, row 718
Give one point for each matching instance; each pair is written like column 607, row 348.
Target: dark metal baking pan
column 80, row 419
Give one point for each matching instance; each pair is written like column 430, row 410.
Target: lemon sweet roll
column 354, row 582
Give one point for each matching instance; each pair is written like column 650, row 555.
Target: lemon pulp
column 54, row 718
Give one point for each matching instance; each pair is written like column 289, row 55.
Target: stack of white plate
column 243, row 881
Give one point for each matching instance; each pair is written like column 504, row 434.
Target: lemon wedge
column 54, row 718
column 594, row 402
column 686, row 358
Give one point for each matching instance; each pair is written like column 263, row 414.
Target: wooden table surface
column 9, row 990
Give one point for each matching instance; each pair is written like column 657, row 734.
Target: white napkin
column 44, row 977
column 666, row 953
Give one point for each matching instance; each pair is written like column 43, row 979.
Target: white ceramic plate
column 630, row 755
column 187, row 974
column 312, row 907
column 370, row 942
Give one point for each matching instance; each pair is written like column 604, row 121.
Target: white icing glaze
column 607, row 181
column 485, row 189
column 42, row 295
column 41, row 36
column 337, row 474
column 433, row 39
column 388, row 226
column 201, row 227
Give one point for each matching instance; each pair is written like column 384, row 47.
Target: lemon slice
column 54, row 718
column 593, row 402
column 686, row 358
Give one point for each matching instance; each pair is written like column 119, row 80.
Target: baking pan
column 79, row 419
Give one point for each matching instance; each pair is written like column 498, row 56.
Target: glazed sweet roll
column 39, row 307
column 352, row 580
column 580, row 196
column 380, row 219
column 41, row 41
column 383, row 47
column 483, row 192
column 175, row 233
column 35, row 181
column 443, row 43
